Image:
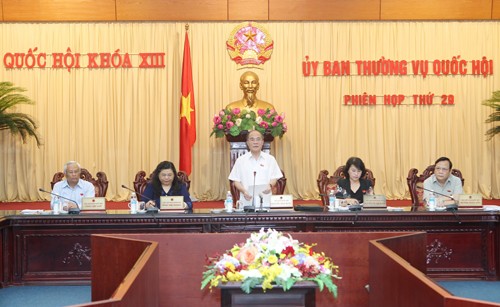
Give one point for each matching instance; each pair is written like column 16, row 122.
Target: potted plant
column 17, row 123
column 235, row 123
column 493, row 102
column 270, row 259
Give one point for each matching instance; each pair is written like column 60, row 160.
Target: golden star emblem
column 250, row 35
column 186, row 108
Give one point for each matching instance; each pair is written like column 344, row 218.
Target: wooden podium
column 238, row 145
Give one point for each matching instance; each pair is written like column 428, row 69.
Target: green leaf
column 248, row 284
column 206, row 279
column 17, row 123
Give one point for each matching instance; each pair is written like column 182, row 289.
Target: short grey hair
column 65, row 167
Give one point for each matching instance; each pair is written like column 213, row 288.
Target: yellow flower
column 275, row 270
column 236, row 276
column 215, row 282
column 235, row 250
column 272, row 259
column 266, row 284
column 229, row 266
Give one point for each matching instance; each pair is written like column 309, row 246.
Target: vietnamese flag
column 188, row 116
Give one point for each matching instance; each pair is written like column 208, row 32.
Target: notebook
column 374, row 202
column 93, row 204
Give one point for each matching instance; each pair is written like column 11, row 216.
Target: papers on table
column 258, row 192
column 491, row 208
column 31, row 211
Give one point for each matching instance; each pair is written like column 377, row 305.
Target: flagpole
column 187, row 135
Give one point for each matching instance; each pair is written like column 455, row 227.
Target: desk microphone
column 261, row 205
column 70, row 210
column 252, row 207
column 148, row 210
column 451, row 207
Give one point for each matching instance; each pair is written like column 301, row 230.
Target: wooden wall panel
column 435, row 10
column 125, row 271
column 58, row 10
column 324, row 10
column 248, row 10
column 171, row 10
column 495, row 14
column 393, row 282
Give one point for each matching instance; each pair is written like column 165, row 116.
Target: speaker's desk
column 44, row 249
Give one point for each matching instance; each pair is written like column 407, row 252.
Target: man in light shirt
column 255, row 167
column 443, row 182
column 72, row 187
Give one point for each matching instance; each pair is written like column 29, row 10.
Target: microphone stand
column 70, row 210
column 252, row 207
column 355, row 217
column 261, row 205
column 455, row 215
column 148, row 210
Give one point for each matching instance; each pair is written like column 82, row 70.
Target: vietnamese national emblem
column 250, row 44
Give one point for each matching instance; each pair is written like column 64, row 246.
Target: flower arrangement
column 270, row 258
column 234, row 121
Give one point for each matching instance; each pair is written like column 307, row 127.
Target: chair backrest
column 414, row 180
column 100, row 184
column 140, row 182
column 327, row 183
column 278, row 189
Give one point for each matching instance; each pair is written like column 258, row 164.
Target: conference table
column 55, row 249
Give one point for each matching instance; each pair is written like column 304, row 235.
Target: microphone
column 261, row 197
column 450, row 207
column 252, row 207
column 70, row 210
column 148, row 210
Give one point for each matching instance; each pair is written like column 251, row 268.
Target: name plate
column 374, row 201
column 93, row 203
column 281, row 201
column 470, row 201
column 172, row 202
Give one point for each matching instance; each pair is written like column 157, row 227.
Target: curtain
column 122, row 120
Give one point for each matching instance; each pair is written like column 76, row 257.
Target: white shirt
column 265, row 167
column 82, row 189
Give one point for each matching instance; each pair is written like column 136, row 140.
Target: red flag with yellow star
column 188, row 116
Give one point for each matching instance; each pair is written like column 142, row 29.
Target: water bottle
column 56, row 206
column 228, row 203
column 431, row 203
column 134, row 203
column 331, row 200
